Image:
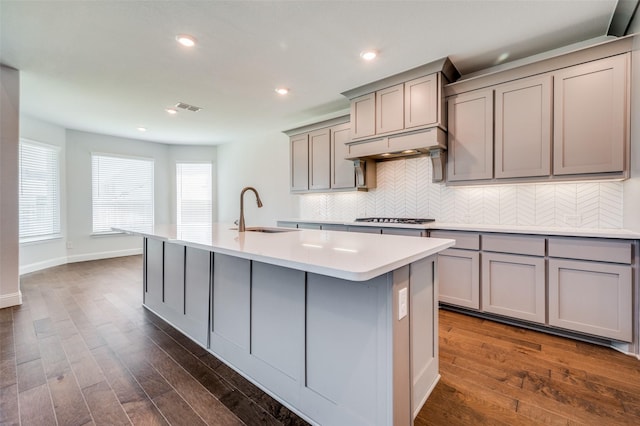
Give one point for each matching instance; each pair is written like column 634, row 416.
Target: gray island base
column 335, row 351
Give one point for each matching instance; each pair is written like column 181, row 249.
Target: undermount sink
column 267, row 230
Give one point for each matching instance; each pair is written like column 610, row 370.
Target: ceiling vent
column 188, row 107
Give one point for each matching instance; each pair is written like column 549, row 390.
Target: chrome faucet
column 241, row 227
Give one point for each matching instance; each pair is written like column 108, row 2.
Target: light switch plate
column 402, row 303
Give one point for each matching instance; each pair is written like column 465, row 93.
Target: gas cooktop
column 405, row 220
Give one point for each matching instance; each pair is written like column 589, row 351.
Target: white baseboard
column 37, row 266
column 13, row 299
column 103, row 255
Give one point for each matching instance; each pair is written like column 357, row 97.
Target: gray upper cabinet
column 422, row 101
column 407, row 106
column 470, row 136
column 562, row 118
column 390, row 109
column 591, row 105
column 523, row 128
column 363, row 116
column 342, row 171
column 299, row 162
column 320, row 159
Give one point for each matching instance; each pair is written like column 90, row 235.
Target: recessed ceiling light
column 503, row 57
column 142, row 129
column 186, row 40
column 282, row 90
column 368, row 55
column 171, row 111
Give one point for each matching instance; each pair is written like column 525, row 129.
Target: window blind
column 194, row 194
column 39, row 191
column 122, row 190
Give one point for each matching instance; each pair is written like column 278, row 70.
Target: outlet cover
column 402, row 303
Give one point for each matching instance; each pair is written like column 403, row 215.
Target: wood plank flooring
column 82, row 350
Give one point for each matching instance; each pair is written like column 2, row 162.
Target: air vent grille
column 188, row 107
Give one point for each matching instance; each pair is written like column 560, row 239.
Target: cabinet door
column 514, row 286
column 591, row 115
column 421, row 101
column 363, row 116
column 591, row 297
column 390, row 109
column 343, row 174
column 320, row 159
column 300, row 162
column 470, row 136
column 523, row 128
column 459, row 277
column 196, row 294
column 154, row 274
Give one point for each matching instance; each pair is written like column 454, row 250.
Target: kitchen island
column 339, row 327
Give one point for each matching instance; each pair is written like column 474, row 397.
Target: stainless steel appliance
column 402, row 220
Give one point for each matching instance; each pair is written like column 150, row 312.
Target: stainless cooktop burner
column 405, row 220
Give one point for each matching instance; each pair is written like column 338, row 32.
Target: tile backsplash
column 405, row 190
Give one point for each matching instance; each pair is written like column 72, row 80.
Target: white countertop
column 345, row 255
column 510, row 229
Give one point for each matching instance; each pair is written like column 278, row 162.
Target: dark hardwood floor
column 82, row 350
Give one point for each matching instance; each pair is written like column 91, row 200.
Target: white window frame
column 56, row 228
column 93, row 195
column 178, row 191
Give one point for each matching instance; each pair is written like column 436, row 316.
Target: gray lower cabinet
column 513, row 276
column 403, row 231
column 514, row 286
column 591, row 287
column 459, row 269
column 365, row 229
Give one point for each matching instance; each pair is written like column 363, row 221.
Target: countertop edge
column 507, row 229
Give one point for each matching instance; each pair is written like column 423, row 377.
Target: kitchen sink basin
column 267, row 230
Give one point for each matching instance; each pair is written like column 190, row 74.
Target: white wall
column 264, row 164
column 9, row 133
column 47, row 253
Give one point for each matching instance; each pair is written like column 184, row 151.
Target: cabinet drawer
column 368, row 148
column 515, row 244
column 602, row 250
column 464, row 240
column 408, row 232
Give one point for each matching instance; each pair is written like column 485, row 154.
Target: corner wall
column 264, row 164
column 9, row 141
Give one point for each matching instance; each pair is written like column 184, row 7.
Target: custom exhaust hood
column 402, row 116
column 427, row 142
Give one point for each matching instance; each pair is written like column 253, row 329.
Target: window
column 122, row 192
column 193, row 194
column 39, row 183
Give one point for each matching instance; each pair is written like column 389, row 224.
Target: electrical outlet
column 69, row 244
column 573, row 219
column 402, row 303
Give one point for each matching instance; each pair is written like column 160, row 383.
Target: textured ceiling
column 111, row 66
